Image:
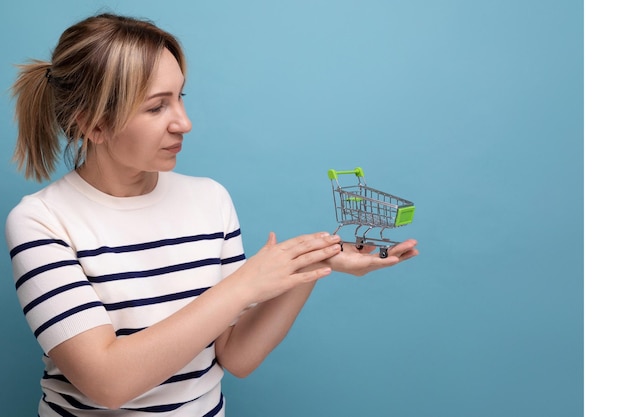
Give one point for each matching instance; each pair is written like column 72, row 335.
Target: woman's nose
column 181, row 123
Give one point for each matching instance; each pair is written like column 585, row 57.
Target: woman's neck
column 118, row 184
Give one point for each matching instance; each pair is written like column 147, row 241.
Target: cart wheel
column 359, row 243
column 383, row 252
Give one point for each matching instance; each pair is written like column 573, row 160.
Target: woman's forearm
column 243, row 347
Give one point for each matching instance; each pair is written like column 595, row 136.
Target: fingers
column 311, row 248
column 314, row 275
column 302, row 252
column 404, row 250
column 308, row 252
column 307, row 239
column 309, row 259
column 271, row 239
column 279, row 267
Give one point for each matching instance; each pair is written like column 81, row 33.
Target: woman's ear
column 94, row 134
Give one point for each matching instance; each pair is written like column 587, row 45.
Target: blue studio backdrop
column 473, row 110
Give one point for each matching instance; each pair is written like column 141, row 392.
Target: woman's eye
column 156, row 109
column 181, row 95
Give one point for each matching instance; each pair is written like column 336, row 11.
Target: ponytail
column 37, row 148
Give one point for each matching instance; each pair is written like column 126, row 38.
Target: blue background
column 473, row 110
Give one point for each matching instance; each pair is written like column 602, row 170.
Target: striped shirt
column 82, row 258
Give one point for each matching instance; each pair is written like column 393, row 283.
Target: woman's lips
column 174, row 148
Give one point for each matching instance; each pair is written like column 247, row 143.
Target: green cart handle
column 333, row 174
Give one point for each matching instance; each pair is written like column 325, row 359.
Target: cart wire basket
column 368, row 209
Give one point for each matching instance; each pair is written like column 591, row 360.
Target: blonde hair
column 97, row 77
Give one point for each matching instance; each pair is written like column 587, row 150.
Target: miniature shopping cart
column 368, row 208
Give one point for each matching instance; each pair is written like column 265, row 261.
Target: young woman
column 132, row 277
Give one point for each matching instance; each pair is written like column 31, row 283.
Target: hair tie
column 48, row 75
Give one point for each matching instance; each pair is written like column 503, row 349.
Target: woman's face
column 154, row 135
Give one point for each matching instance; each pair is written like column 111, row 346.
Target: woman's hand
column 362, row 261
column 279, row 267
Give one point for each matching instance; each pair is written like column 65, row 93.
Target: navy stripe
column 232, row 234
column 52, row 293
column 58, row 409
column 234, row 259
column 148, row 245
column 170, row 407
column 152, row 272
column 162, row 408
column 217, row 408
column 77, row 404
column 154, row 409
column 35, row 243
column 154, row 300
column 127, row 332
column 190, row 375
column 66, row 314
column 44, row 268
column 61, row 378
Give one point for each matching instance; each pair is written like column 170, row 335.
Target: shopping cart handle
column 332, row 174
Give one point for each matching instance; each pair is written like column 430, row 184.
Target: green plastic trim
column 332, row 174
column 404, row 215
